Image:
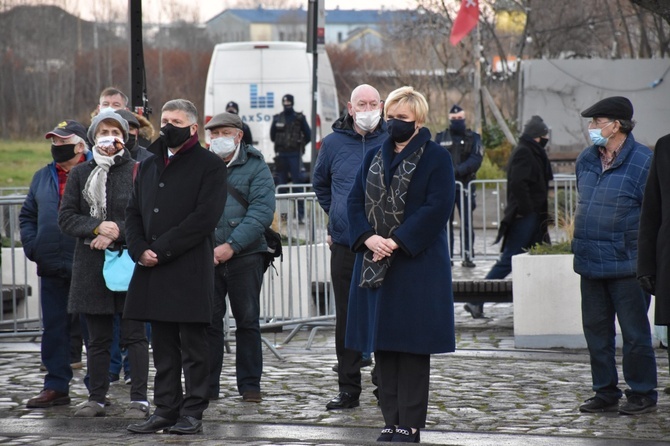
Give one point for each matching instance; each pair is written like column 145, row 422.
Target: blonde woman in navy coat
column 401, row 304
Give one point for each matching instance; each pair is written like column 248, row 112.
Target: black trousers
column 178, row 346
column 349, row 361
column 133, row 337
column 403, row 387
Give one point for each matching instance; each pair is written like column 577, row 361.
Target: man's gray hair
column 183, row 105
column 74, row 139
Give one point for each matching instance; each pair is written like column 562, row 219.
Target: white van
column 257, row 75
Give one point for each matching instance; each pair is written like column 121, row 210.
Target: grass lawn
column 19, row 160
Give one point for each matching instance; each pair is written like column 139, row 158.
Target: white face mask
column 368, row 120
column 106, row 109
column 223, row 146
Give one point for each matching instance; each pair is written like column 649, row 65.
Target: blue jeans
column 466, row 220
column 55, row 346
column 240, row 278
column 602, row 300
column 290, row 164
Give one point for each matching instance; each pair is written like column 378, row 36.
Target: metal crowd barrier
column 295, row 295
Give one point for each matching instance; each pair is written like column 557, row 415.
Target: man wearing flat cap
column 232, row 107
column 611, row 178
column 465, row 147
column 238, row 255
column 527, row 210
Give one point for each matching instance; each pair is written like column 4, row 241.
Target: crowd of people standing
column 192, row 219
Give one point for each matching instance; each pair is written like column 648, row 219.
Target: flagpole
column 478, row 82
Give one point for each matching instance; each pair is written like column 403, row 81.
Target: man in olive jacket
column 239, row 255
column 178, row 197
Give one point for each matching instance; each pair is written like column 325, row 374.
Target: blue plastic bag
column 118, row 269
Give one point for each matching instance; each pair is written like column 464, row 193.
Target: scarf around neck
column 385, row 208
column 95, row 190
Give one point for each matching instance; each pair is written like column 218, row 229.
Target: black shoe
column 113, row 377
column 405, row 435
column 475, row 310
column 366, row 362
column 336, row 368
column 467, row 263
column 153, row 424
column 387, row 434
column 637, row 404
column 343, row 400
column 598, row 405
column 186, row 425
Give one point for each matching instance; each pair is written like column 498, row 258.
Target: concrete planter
column 547, row 303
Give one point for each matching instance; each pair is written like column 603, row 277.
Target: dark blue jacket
column 339, row 160
column 43, row 242
column 608, row 211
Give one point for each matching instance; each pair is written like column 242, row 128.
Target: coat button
column 161, row 184
column 153, row 237
column 168, row 253
column 156, row 211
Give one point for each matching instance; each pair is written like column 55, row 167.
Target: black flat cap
column 616, row 107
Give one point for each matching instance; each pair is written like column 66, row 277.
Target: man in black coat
column 178, row 197
column 653, row 244
column 527, row 210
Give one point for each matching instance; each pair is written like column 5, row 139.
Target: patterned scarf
column 385, row 209
column 95, row 190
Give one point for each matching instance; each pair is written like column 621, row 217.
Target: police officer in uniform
column 290, row 133
column 233, row 108
column 465, row 147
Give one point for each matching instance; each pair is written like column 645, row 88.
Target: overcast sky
column 203, row 10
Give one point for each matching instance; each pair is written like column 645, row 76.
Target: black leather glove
column 648, row 283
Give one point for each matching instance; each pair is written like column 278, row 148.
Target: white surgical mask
column 223, row 146
column 106, row 109
column 368, row 120
column 106, row 141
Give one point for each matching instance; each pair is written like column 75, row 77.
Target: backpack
column 272, row 237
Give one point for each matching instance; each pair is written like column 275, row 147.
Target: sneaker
column 598, row 405
column 77, row 365
column 127, row 379
column 137, row 410
column 475, row 310
column 113, row 377
column 90, row 409
column 637, row 404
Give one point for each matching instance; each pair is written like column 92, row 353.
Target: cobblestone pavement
column 487, row 393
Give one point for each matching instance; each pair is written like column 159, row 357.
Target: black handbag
column 272, row 237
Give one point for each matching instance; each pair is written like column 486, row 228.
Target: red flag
column 466, row 20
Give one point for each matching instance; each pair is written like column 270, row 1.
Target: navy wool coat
column 88, row 292
column 654, row 240
column 173, row 211
column 413, row 310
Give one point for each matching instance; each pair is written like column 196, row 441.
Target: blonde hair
column 407, row 95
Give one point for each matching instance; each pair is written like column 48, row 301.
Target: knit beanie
column 535, row 127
